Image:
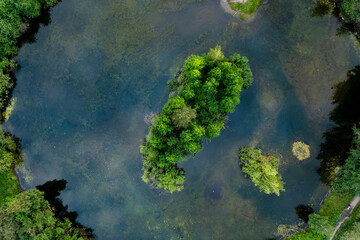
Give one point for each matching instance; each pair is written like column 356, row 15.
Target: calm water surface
column 101, row 65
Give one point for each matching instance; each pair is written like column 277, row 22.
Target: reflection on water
column 99, row 67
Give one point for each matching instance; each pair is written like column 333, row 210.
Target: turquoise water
column 84, row 88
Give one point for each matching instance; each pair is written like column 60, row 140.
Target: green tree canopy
column 182, row 117
column 29, row 216
column 9, row 151
column 320, row 224
column 348, row 178
column 353, row 234
column 261, row 169
column 202, row 94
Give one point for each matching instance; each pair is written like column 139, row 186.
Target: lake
column 86, row 84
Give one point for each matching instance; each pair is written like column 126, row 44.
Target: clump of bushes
column 202, row 94
column 261, row 169
column 301, row 150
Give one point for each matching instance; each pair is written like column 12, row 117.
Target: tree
column 261, row 169
column 309, row 235
column 9, row 151
column 320, row 224
column 348, row 178
column 183, row 116
column 353, row 234
column 29, row 216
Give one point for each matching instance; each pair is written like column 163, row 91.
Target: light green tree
column 320, row 224
column 183, row 116
column 353, row 234
column 261, row 169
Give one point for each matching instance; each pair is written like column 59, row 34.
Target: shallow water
column 86, row 84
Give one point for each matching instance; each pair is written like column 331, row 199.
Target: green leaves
column 261, row 169
column 320, row 224
column 202, row 95
column 348, row 178
column 9, row 152
column 29, row 216
column 182, row 117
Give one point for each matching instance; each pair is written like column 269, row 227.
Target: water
column 85, row 85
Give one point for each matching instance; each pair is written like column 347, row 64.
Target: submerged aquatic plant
column 301, row 150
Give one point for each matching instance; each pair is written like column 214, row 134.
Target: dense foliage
column 353, row 234
column 348, row 178
column 10, row 155
column 309, row 235
column 351, row 9
column 202, row 94
column 320, row 224
column 14, row 20
column 29, row 216
column 261, row 169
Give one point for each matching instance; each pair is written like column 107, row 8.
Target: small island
column 262, row 169
column 201, row 96
column 244, row 9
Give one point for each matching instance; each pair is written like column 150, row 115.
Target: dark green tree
column 348, row 178
column 29, row 216
column 202, row 94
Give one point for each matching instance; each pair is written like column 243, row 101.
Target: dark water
column 100, row 66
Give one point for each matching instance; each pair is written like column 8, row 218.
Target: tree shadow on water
column 346, row 114
column 29, row 34
column 303, row 212
column 348, row 25
column 52, row 191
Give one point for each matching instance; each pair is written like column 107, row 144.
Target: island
column 262, row 169
column 244, row 9
column 202, row 94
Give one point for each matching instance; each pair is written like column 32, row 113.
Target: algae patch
column 301, row 150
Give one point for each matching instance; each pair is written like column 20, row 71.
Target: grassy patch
column 334, row 205
column 245, row 10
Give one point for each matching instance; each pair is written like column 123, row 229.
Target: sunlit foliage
column 351, row 9
column 203, row 93
column 261, row 169
column 309, row 235
column 353, row 234
column 320, row 224
column 29, row 216
column 10, row 155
